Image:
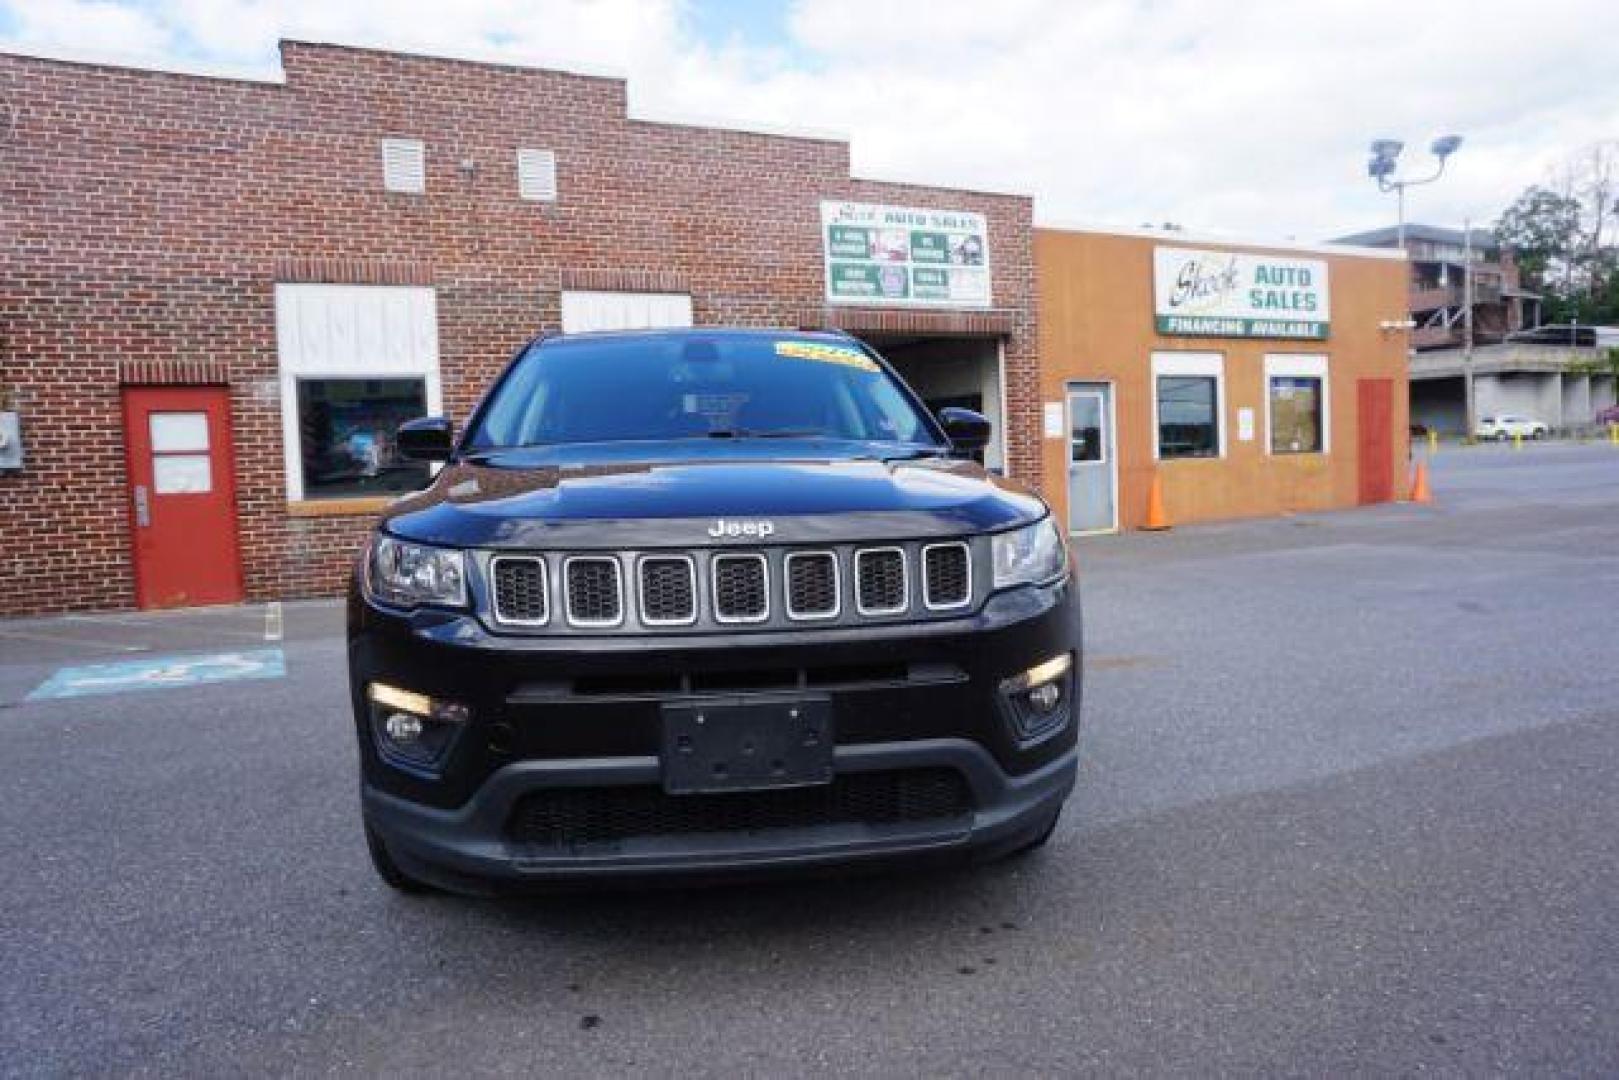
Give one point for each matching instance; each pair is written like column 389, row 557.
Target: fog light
column 1049, row 671
column 1045, row 696
column 1036, row 701
column 404, row 728
column 414, row 729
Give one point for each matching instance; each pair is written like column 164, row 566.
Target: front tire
column 388, row 870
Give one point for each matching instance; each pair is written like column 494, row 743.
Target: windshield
column 680, row 386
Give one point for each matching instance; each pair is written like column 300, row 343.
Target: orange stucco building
column 1251, row 380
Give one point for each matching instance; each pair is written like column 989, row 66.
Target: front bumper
column 465, row 849
column 550, row 715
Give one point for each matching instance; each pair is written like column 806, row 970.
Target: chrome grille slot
column 947, row 576
column 668, row 586
column 594, row 590
column 881, row 583
column 521, row 596
column 812, row 585
column 741, row 588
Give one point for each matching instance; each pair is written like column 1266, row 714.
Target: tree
column 1561, row 233
column 1543, row 229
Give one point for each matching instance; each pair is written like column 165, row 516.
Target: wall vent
column 404, row 165
column 537, row 175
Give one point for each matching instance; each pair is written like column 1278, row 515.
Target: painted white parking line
column 88, row 643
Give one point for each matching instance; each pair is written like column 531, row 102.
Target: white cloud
column 1239, row 117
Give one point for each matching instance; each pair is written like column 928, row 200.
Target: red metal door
column 1375, row 417
column 182, row 496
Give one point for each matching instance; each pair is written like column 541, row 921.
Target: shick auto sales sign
column 1227, row 294
column 901, row 255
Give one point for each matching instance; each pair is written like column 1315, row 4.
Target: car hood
column 660, row 495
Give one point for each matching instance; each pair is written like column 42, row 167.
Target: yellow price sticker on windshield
column 826, row 354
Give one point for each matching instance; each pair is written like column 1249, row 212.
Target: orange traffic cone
column 1419, row 485
column 1157, row 520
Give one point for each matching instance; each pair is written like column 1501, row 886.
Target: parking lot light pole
column 1385, row 154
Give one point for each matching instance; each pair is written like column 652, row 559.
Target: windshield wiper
column 775, row 433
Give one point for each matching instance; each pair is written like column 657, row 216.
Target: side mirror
column 967, row 431
column 430, row 438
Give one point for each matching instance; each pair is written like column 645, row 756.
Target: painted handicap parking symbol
column 161, row 673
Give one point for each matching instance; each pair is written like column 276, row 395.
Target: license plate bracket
column 747, row 743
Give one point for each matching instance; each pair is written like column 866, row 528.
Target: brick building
column 218, row 296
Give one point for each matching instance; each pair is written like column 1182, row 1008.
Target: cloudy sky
column 1243, row 118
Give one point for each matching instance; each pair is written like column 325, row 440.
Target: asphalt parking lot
column 1349, row 804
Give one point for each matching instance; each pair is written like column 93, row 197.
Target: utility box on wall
column 10, row 441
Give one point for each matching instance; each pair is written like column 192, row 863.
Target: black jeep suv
column 704, row 602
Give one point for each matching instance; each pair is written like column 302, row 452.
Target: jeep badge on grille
column 732, row 530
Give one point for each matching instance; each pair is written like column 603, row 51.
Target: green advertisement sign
column 903, row 255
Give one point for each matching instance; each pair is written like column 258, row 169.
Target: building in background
column 1437, row 304
column 1516, row 371
column 1248, row 380
column 219, row 297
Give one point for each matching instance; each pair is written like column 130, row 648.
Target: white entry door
column 1092, row 472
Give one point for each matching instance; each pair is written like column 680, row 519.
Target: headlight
column 1030, row 555
column 411, row 574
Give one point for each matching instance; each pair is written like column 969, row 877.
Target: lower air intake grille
column 594, row 596
column 812, row 585
column 740, row 592
column 668, row 591
column 573, row 818
column 881, row 581
column 947, row 575
column 520, row 595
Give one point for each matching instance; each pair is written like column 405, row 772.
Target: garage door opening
column 965, row 372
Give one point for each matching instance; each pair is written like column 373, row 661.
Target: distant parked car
column 1610, row 415
column 1505, row 425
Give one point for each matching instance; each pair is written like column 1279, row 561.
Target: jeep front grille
column 768, row 587
column 881, row 581
column 668, row 590
column 741, row 588
column 947, row 576
column 812, row 585
column 520, row 590
column 595, row 592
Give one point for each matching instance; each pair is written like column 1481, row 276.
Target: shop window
column 347, row 436
column 356, row 361
column 1188, row 405
column 1297, row 415
column 1188, row 416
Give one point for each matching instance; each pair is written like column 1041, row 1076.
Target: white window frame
column 1300, row 366
column 350, row 332
column 1190, row 364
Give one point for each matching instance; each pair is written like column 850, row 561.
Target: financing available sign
column 1227, row 294
column 902, row 255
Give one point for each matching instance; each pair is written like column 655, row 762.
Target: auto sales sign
column 1229, row 294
